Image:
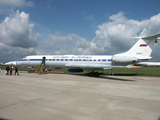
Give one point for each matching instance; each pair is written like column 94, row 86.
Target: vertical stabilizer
column 143, row 48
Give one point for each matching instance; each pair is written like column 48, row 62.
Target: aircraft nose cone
column 10, row 63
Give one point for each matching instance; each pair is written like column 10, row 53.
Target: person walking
column 16, row 70
column 7, row 70
column 11, row 70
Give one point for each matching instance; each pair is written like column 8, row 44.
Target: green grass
column 145, row 71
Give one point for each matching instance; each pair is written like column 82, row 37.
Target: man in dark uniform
column 7, row 70
column 16, row 70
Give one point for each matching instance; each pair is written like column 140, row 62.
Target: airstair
column 39, row 71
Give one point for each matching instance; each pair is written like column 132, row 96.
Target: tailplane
column 142, row 49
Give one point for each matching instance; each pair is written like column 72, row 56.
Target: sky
column 80, row 27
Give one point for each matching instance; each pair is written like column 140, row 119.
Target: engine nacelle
column 124, row 59
column 75, row 70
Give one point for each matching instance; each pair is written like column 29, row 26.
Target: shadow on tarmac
column 108, row 77
column 105, row 77
column 4, row 119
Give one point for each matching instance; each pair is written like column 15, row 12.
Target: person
column 16, row 70
column 11, row 70
column 49, row 68
column 7, row 70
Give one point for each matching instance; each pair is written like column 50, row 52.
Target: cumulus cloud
column 17, row 34
column 17, row 31
column 9, row 53
column 9, row 6
column 69, row 44
column 16, row 3
column 111, row 37
column 17, row 37
column 115, row 36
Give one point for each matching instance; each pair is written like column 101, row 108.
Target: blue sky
column 75, row 26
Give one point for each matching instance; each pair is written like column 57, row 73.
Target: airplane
column 140, row 52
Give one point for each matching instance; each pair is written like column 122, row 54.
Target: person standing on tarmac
column 16, row 70
column 11, row 70
column 7, row 70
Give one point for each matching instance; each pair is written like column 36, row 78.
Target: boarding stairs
column 39, row 71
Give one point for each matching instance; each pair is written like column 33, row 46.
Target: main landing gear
column 94, row 74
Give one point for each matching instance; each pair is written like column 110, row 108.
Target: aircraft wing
column 94, row 66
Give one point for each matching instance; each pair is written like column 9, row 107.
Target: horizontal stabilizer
column 153, row 37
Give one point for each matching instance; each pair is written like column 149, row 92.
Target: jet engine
column 124, row 59
column 75, row 70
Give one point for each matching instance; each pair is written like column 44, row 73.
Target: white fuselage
column 63, row 60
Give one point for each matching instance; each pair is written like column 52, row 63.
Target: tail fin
column 143, row 48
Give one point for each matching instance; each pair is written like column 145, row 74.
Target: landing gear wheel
column 91, row 74
column 96, row 74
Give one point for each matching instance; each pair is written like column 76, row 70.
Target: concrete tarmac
column 75, row 97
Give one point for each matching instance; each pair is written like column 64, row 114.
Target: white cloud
column 16, row 3
column 115, row 36
column 111, row 37
column 39, row 35
column 17, row 31
column 9, row 53
column 9, row 6
column 17, row 37
column 70, row 44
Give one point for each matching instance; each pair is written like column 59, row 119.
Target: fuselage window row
column 94, row 60
column 90, row 60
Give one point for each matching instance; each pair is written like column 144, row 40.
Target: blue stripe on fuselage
column 30, row 60
column 35, row 59
column 69, row 60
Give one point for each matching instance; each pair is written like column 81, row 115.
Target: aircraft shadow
column 102, row 76
column 111, row 78
column 105, row 77
column 4, row 119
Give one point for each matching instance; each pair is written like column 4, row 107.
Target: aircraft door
column 43, row 60
column 28, row 61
